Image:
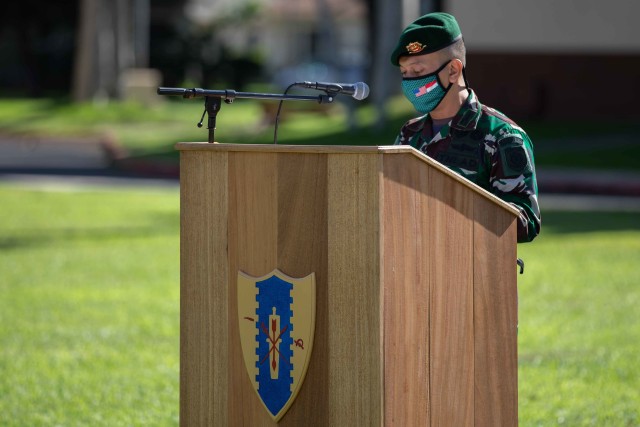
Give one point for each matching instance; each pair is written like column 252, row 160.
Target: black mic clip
column 230, row 96
column 326, row 99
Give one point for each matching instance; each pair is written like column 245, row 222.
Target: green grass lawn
column 89, row 313
column 579, row 335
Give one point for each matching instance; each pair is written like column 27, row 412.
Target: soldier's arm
column 513, row 179
column 408, row 132
column 403, row 137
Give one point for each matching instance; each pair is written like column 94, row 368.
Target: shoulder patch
column 514, row 156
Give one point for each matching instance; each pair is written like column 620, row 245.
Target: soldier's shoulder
column 414, row 125
column 409, row 129
column 499, row 125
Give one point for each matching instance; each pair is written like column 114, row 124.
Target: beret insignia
column 415, row 47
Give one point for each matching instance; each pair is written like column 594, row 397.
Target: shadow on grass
column 164, row 225
column 586, row 222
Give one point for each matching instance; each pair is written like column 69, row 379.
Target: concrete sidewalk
column 581, row 181
column 68, row 153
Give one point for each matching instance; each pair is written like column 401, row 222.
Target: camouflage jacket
column 490, row 150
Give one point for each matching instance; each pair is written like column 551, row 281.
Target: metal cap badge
column 415, row 47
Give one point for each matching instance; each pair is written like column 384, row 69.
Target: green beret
column 427, row 34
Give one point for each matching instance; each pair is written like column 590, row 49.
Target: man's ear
column 455, row 70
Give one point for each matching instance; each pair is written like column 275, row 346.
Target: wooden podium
column 415, row 301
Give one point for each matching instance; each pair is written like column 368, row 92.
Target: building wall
column 586, row 26
column 553, row 59
column 557, row 86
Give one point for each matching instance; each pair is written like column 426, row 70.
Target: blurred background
column 87, row 70
column 89, row 189
column 537, row 60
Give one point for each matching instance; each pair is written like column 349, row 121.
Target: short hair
column 457, row 50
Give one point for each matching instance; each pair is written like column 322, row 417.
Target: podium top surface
column 345, row 149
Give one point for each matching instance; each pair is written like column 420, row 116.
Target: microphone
column 358, row 90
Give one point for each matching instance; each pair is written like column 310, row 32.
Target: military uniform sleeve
column 513, row 179
column 409, row 131
column 402, row 138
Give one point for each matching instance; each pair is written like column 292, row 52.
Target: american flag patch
column 423, row 90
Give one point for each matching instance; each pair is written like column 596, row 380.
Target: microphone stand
column 213, row 100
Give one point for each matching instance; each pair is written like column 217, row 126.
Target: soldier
column 472, row 139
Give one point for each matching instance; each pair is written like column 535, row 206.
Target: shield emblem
column 277, row 322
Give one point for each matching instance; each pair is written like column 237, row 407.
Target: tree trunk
column 385, row 75
column 83, row 85
column 105, row 48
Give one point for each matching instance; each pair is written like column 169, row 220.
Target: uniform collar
column 468, row 115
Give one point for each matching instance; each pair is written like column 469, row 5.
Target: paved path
column 19, row 152
column 57, row 182
column 591, row 203
column 602, row 182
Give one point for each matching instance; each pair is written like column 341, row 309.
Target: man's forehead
column 408, row 61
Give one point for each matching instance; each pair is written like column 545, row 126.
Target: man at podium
column 472, row 139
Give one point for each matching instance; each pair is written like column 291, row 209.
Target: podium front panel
column 415, row 296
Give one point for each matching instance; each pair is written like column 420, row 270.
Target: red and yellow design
column 415, row 47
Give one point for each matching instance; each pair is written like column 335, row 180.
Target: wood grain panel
column 495, row 312
column 203, row 291
column 353, row 347
column 450, row 234
column 406, row 292
column 302, row 249
column 253, row 227
column 444, row 286
column 341, row 149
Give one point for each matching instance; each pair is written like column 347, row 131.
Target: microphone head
column 361, row 91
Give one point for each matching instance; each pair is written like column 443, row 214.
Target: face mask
column 425, row 92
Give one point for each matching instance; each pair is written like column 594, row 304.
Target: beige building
column 550, row 58
column 549, row 26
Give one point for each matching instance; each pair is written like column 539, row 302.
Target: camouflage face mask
column 425, row 92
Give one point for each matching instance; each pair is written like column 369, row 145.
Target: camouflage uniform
column 488, row 149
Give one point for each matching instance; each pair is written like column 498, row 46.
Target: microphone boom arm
column 230, row 95
column 213, row 100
